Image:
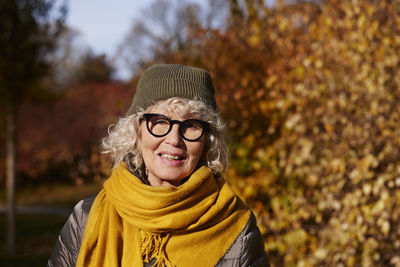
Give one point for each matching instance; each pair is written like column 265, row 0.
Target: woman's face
column 169, row 159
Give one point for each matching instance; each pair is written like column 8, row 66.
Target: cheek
column 146, row 143
column 198, row 150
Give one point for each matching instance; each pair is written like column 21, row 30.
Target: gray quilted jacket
column 247, row 250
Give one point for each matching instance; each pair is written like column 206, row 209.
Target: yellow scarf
column 190, row 225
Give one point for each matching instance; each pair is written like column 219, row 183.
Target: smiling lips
column 172, row 160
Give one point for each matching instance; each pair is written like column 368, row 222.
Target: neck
column 155, row 181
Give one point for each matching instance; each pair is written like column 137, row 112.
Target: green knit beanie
column 163, row 81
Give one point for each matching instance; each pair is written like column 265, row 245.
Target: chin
column 172, row 179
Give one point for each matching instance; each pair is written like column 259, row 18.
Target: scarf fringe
column 153, row 246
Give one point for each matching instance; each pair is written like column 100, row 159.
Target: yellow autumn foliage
column 311, row 93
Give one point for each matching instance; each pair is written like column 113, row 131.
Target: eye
column 192, row 125
column 160, row 121
column 158, row 125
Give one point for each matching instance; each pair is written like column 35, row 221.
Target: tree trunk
column 10, row 166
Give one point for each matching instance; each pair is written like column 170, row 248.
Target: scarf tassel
column 153, row 246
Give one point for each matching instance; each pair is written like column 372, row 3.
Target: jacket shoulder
column 248, row 248
column 66, row 250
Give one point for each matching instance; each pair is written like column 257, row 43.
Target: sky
column 103, row 24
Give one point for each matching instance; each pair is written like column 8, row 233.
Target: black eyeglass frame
column 205, row 125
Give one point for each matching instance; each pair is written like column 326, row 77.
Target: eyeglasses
column 159, row 125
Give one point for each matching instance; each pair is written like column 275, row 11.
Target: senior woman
column 166, row 202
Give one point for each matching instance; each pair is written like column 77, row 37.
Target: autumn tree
column 94, row 68
column 66, row 60
column 28, row 29
column 61, row 141
column 323, row 169
column 169, row 30
column 311, row 92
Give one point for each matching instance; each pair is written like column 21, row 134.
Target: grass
column 36, row 236
column 37, row 233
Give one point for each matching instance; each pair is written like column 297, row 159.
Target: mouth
column 171, row 157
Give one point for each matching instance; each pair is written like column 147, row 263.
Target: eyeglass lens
column 159, row 126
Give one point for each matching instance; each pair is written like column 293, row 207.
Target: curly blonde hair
column 123, row 140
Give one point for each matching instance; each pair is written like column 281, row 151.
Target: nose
column 173, row 137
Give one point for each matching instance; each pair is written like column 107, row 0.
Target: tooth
column 170, row 156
